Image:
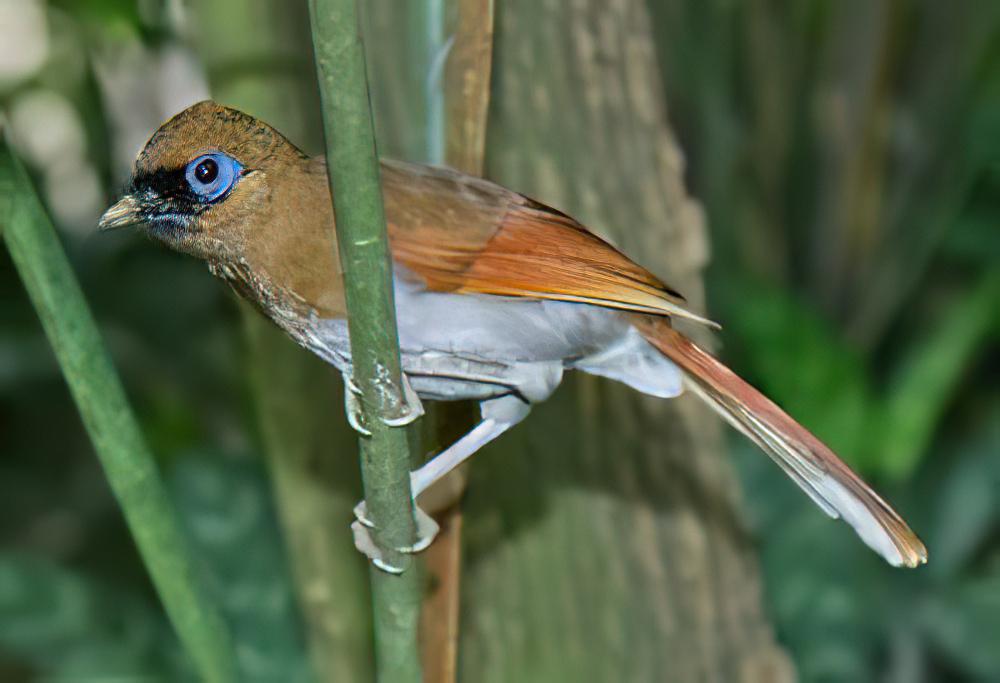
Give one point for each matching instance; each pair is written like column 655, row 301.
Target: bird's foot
column 363, row 527
column 412, row 407
column 352, row 406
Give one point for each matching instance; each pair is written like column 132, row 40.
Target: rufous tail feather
column 810, row 464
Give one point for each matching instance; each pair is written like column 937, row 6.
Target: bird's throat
column 282, row 306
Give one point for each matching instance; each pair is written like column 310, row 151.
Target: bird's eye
column 206, row 171
column 212, row 175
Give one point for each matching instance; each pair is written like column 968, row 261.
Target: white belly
column 467, row 346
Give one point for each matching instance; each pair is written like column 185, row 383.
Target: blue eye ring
column 212, row 175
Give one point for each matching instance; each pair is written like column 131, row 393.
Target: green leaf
column 929, row 377
column 794, row 357
column 106, row 11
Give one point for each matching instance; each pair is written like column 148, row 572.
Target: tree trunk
column 604, row 537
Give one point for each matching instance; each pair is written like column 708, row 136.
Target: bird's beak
column 123, row 214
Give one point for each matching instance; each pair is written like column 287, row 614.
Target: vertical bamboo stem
column 429, row 42
column 311, row 458
column 353, row 170
column 110, row 423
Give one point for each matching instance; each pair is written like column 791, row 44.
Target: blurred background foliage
column 847, row 154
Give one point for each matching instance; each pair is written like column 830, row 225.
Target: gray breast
column 468, row 346
column 502, row 329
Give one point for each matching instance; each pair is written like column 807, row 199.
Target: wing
column 459, row 233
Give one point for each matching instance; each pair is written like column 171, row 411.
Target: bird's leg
column 499, row 415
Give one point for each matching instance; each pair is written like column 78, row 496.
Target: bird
column 497, row 296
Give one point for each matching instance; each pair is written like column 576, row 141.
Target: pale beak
column 123, row 214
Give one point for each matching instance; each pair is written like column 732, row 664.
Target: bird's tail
column 803, row 457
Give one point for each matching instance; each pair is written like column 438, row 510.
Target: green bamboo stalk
column 110, row 423
column 311, row 458
column 427, row 22
column 353, row 170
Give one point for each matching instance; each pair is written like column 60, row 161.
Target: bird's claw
column 352, row 406
column 362, row 527
column 361, row 514
column 412, row 407
column 364, row 542
column 427, row 530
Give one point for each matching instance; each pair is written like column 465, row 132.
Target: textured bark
column 604, row 539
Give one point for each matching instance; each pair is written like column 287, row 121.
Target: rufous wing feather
column 811, row 464
column 463, row 234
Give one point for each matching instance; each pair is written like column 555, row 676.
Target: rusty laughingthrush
column 497, row 295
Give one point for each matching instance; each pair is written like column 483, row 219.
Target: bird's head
column 204, row 181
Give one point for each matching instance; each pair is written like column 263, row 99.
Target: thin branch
column 353, row 170
column 310, row 455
